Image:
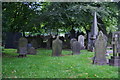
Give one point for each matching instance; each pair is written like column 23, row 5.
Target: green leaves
column 45, row 16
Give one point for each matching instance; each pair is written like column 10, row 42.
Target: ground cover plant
column 43, row 65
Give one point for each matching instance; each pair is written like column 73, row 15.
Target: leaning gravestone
column 81, row 41
column 100, row 50
column 22, row 47
column 75, row 47
column 57, row 47
column 34, row 43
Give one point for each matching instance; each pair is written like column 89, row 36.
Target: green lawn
column 43, row 65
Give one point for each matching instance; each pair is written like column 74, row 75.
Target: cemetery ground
column 43, row 65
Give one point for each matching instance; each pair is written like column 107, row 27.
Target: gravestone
column 100, row 50
column 57, row 47
column 34, row 43
column 81, row 41
column 31, row 50
column 71, row 42
column 75, row 47
column 115, row 59
column 22, row 47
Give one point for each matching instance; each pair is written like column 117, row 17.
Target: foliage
column 44, row 17
column 17, row 16
column 43, row 65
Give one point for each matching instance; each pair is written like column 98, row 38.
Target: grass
column 43, row 65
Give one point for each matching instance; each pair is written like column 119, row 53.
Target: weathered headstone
column 115, row 59
column 75, row 47
column 31, row 50
column 34, row 43
column 57, row 47
column 22, row 47
column 81, row 41
column 100, row 50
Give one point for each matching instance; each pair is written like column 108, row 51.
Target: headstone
column 100, row 50
column 75, row 47
column 34, row 43
column 57, row 47
column 71, row 42
column 22, row 47
column 81, row 41
column 31, row 50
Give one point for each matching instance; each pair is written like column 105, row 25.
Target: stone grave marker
column 22, row 47
column 81, row 41
column 100, row 50
column 75, row 47
column 57, row 47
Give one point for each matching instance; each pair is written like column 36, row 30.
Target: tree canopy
column 44, row 17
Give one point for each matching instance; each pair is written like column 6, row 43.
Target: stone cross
column 57, row 47
column 22, row 47
column 81, row 41
column 100, row 50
